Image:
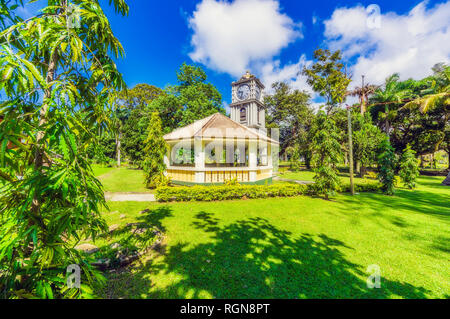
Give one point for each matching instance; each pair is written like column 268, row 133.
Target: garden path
column 129, row 197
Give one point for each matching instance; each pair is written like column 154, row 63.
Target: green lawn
column 299, row 247
column 100, row 169
column 122, row 179
column 308, row 175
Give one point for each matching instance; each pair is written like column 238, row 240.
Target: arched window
column 243, row 115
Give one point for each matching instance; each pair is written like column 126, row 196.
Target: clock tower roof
column 247, row 77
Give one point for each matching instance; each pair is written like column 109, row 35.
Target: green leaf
column 37, row 75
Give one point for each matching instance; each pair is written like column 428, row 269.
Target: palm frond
column 429, row 102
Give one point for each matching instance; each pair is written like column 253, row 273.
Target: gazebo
column 217, row 149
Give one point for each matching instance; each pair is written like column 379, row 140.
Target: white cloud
column 271, row 72
column 409, row 44
column 226, row 106
column 232, row 37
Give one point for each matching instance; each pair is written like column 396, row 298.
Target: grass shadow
column 132, row 238
column 251, row 258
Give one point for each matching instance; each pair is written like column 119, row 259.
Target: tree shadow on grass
column 251, row 258
column 419, row 201
column 125, row 243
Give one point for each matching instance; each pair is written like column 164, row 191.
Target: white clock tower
column 247, row 105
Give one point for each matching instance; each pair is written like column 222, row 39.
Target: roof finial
column 248, row 75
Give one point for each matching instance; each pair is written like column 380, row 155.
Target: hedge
column 363, row 187
column 218, row 193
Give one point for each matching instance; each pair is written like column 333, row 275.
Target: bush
column 233, row 192
column 409, row 168
column 326, row 181
column 386, row 167
column 213, row 193
column 363, row 187
column 371, row 175
column 154, row 151
column 232, row 182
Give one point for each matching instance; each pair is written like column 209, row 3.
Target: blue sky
column 275, row 39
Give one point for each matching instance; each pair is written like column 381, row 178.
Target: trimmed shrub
column 386, row 167
column 409, row 168
column 233, row 192
column 217, row 193
column 363, row 187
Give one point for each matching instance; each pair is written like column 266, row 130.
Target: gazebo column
column 252, row 159
column 199, row 151
column 167, row 157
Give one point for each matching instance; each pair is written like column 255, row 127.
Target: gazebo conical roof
column 217, row 126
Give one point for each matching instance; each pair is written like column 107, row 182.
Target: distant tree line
column 191, row 99
column 402, row 110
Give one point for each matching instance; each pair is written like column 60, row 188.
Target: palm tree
column 437, row 95
column 363, row 93
column 391, row 93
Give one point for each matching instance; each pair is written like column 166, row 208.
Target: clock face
column 243, row 92
column 258, row 93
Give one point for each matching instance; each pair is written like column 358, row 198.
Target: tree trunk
column 350, row 150
column 118, row 144
column 39, row 154
column 362, row 171
column 386, row 122
column 448, row 153
column 363, row 104
column 447, row 180
column 308, row 160
column 422, row 161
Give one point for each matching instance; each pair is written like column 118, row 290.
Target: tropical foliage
column 409, row 168
column 328, row 77
column 290, row 111
column 58, row 76
column 326, row 152
column 154, row 151
column 386, row 167
column 191, row 99
column 133, row 117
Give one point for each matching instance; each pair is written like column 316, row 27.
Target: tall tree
column 57, row 77
column 409, row 168
column 290, row 111
column 366, row 137
column 388, row 98
column 438, row 96
column 328, row 77
column 133, row 117
column 191, row 99
column 386, row 167
column 326, row 153
column 363, row 93
column 155, row 150
column 438, row 92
